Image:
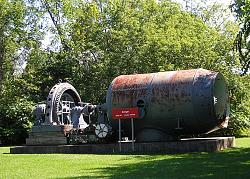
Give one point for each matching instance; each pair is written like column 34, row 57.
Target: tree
column 242, row 43
column 15, row 93
column 10, row 34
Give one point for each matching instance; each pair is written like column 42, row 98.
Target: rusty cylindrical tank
column 171, row 103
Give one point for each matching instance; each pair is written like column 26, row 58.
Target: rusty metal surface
column 127, row 89
column 182, row 100
column 138, row 81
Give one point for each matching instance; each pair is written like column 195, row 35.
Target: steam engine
column 169, row 104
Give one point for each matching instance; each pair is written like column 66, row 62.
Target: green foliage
column 11, row 30
column 242, row 8
column 14, row 106
column 106, row 40
column 240, row 102
column 110, row 39
column 16, row 111
column 92, row 42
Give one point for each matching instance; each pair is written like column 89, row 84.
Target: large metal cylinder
column 171, row 103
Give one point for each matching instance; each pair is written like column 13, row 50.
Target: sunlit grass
column 243, row 142
column 231, row 163
column 4, row 150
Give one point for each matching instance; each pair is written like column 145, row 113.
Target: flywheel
column 62, row 97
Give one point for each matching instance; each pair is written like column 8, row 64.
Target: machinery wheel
column 102, row 130
column 61, row 98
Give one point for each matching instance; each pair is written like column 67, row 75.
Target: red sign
column 125, row 113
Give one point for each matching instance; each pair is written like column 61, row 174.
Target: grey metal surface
column 77, row 117
column 39, row 113
column 175, row 102
column 54, row 110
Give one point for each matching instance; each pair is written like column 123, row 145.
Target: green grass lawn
column 230, row 163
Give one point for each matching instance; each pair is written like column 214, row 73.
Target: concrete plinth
column 183, row 146
column 48, row 135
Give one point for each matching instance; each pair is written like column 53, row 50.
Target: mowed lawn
column 230, row 163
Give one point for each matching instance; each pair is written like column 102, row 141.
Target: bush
column 16, row 113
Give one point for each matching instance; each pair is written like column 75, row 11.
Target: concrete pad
column 182, row 146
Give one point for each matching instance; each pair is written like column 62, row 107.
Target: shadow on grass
column 227, row 164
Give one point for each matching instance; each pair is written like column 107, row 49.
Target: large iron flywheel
column 62, row 97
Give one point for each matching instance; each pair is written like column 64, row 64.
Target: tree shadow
column 227, row 164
